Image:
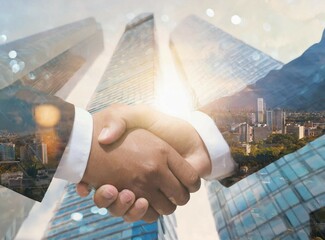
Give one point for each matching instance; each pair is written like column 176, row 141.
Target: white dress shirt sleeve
column 222, row 162
column 75, row 157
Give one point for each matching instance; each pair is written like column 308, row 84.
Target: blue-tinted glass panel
column 289, row 173
column 299, row 169
column 266, row 231
column 220, row 219
column 290, row 197
column 259, row 192
column 223, row 234
column 301, row 213
column 303, row 235
column 250, row 198
column 303, row 191
column 315, row 185
column 271, row 168
column 316, row 162
column 278, row 226
column 240, row 203
column 232, row 208
column 281, row 202
column 292, row 218
column 248, row 222
column 269, row 210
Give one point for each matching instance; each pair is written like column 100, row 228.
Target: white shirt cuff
column 222, row 162
column 75, row 157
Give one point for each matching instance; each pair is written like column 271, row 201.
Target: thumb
column 114, row 129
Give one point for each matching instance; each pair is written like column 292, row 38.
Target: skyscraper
column 214, row 63
column 129, row 78
column 46, row 61
column 131, row 74
column 7, row 152
column 279, row 120
column 276, row 201
column 44, row 153
column 269, row 119
column 260, row 110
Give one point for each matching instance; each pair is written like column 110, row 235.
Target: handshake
column 143, row 163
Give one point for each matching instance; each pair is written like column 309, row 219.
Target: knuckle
column 161, row 149
column 152, row 169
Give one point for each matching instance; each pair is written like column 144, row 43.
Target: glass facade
column 130, row 78
column 212, row 62
column 46, row 62
column 271, row 114
column 276, row 201
column 276, row 187
column 78, row 218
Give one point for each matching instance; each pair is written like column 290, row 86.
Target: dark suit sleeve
column 34, row 131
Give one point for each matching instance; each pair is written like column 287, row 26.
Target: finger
column 122, row 204
column 174, row 190
column 183, row 171
column 137, row 211
column 151, row 215
column 105, row 196
column 113, row 130
column 83, row 189
column 161, row 203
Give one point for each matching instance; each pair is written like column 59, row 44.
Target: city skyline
column 270, row 26
column 275, row 166
column 36, row 66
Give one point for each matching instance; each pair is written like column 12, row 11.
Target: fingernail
column 103, row 134
column 108, row 194
column 172, row 200
column 125, row 197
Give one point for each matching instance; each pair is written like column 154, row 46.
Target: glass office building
column 275, row 201
column 78, row 218
column 131, row 74
column 211, row 61
column 280, row 201
column 129, row 78
column 46, row 61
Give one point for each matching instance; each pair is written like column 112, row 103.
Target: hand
column 143, row 163
column 120, row 204
column 178, row 133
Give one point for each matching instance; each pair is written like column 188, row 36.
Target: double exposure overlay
column 270, row 112
column 272, row 117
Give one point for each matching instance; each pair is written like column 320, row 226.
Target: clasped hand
column 143, row 163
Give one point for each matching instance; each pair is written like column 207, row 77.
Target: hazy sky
column 282, row 28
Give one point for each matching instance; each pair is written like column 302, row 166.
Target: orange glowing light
column 47, row 115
